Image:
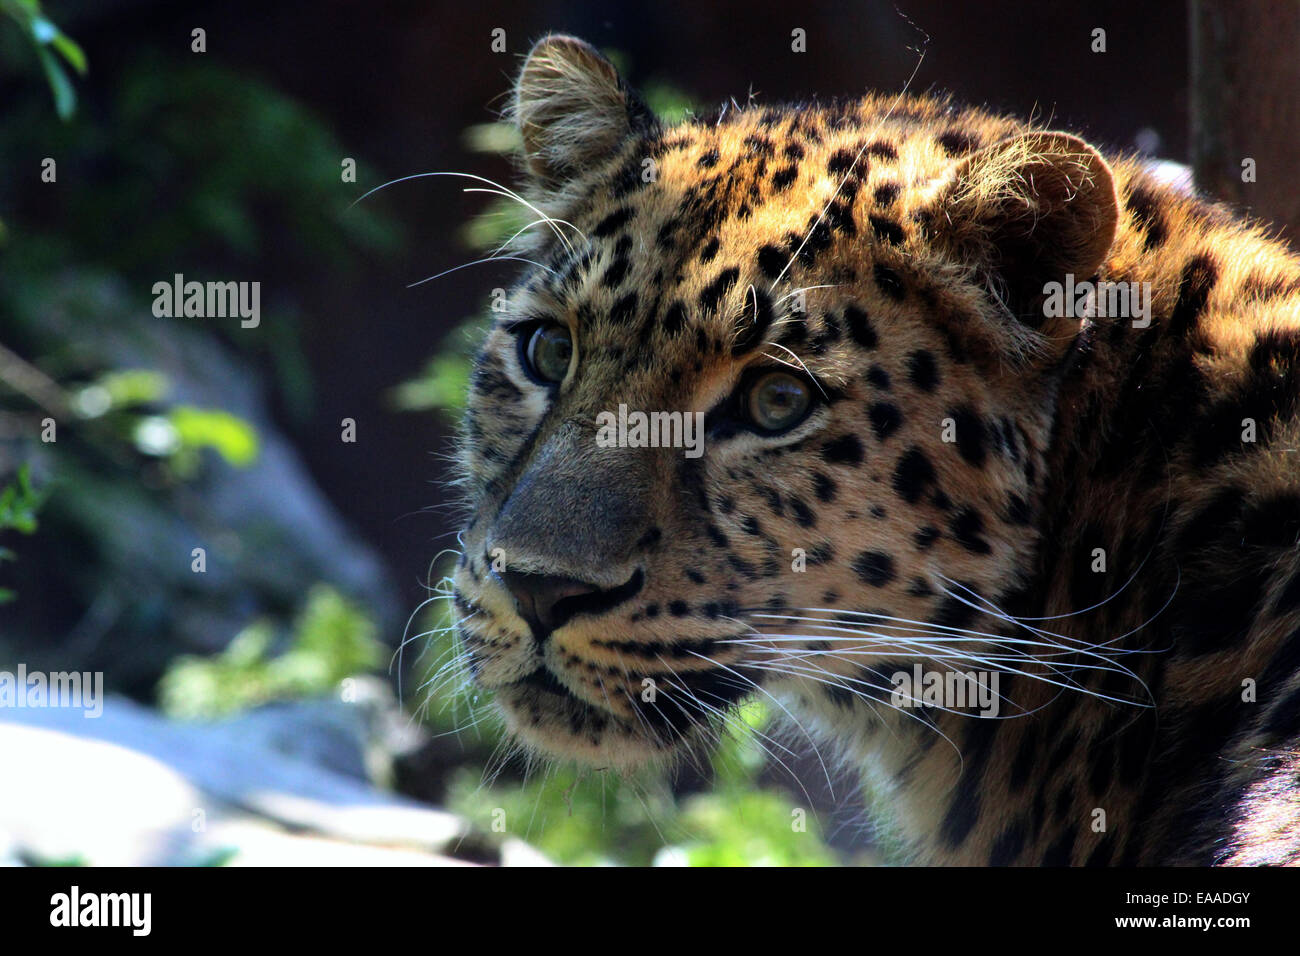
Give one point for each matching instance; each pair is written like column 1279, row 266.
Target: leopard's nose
column 547, row 601
column 538, row 596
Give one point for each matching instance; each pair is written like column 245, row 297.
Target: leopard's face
column 810, row 288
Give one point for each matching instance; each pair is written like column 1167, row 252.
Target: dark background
column 395, row 85
column 224, row 165
column 399, row 82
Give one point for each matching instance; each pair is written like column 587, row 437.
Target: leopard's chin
column 550, row 719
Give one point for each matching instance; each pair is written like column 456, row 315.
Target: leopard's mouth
column 626, row 728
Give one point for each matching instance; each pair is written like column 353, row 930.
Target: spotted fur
column 1163, row 689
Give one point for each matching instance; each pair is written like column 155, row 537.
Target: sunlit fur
column 890, row 248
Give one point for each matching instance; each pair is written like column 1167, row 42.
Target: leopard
column 917, row 457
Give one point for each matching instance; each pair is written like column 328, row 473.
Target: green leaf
column 231, row 437
column 70, row 51
column 65, row 97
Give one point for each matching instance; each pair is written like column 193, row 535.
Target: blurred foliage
column 597, row 819
column 19, row 502
column 331, row 639
column 54, row 49
column 171, row 164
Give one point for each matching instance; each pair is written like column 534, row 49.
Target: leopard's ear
column 572, row 108
column 1029, row 210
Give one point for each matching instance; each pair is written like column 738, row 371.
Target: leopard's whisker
column 785, row 710
column 479, row 262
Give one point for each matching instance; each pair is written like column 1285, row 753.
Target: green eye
column 778, row 401
column 547, row 353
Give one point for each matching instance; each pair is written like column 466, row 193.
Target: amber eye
column 778, row 401
column 547, row 351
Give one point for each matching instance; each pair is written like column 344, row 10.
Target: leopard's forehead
column 710, row 237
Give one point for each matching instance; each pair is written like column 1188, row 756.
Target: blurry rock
column 132, row 788
column 115, row 545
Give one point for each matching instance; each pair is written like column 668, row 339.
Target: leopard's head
column 847, row 301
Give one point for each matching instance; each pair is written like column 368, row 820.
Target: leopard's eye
column 547, row 351
column 777, row 401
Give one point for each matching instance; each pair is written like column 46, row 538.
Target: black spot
column 1147, row 216
column 824, row 487
column 886, row 193
column 913, row 475
column 970, row 435
column 953, row 613
column 845, row 450
column 809, row 246
column 821, row 554
column 875, row 568
column 1019, row 510
column 612, row 223
column 679, row 608
column 922, row 370
column 841, row 162
column 926, row 537
column 887, row 230
column 1198, row 278
column 624, row 309
column 962, row 815
column 708, row 160
column 713, row 293
column 783, row 177
column 802, row 513
column 1026, row 757
column 878, row 377
column 968, row 528
column 920, row 588
column 860, row 327
column 839, row 216
column 956, row 142
column 755, row 322
column 882, row 150
column 710, row 250
column 675, row 318
column 716, row 536
column 890, row 282
column 771, row 261
column 793, row 151
column 885, row 419
column 840, row 695
column 616, row 273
